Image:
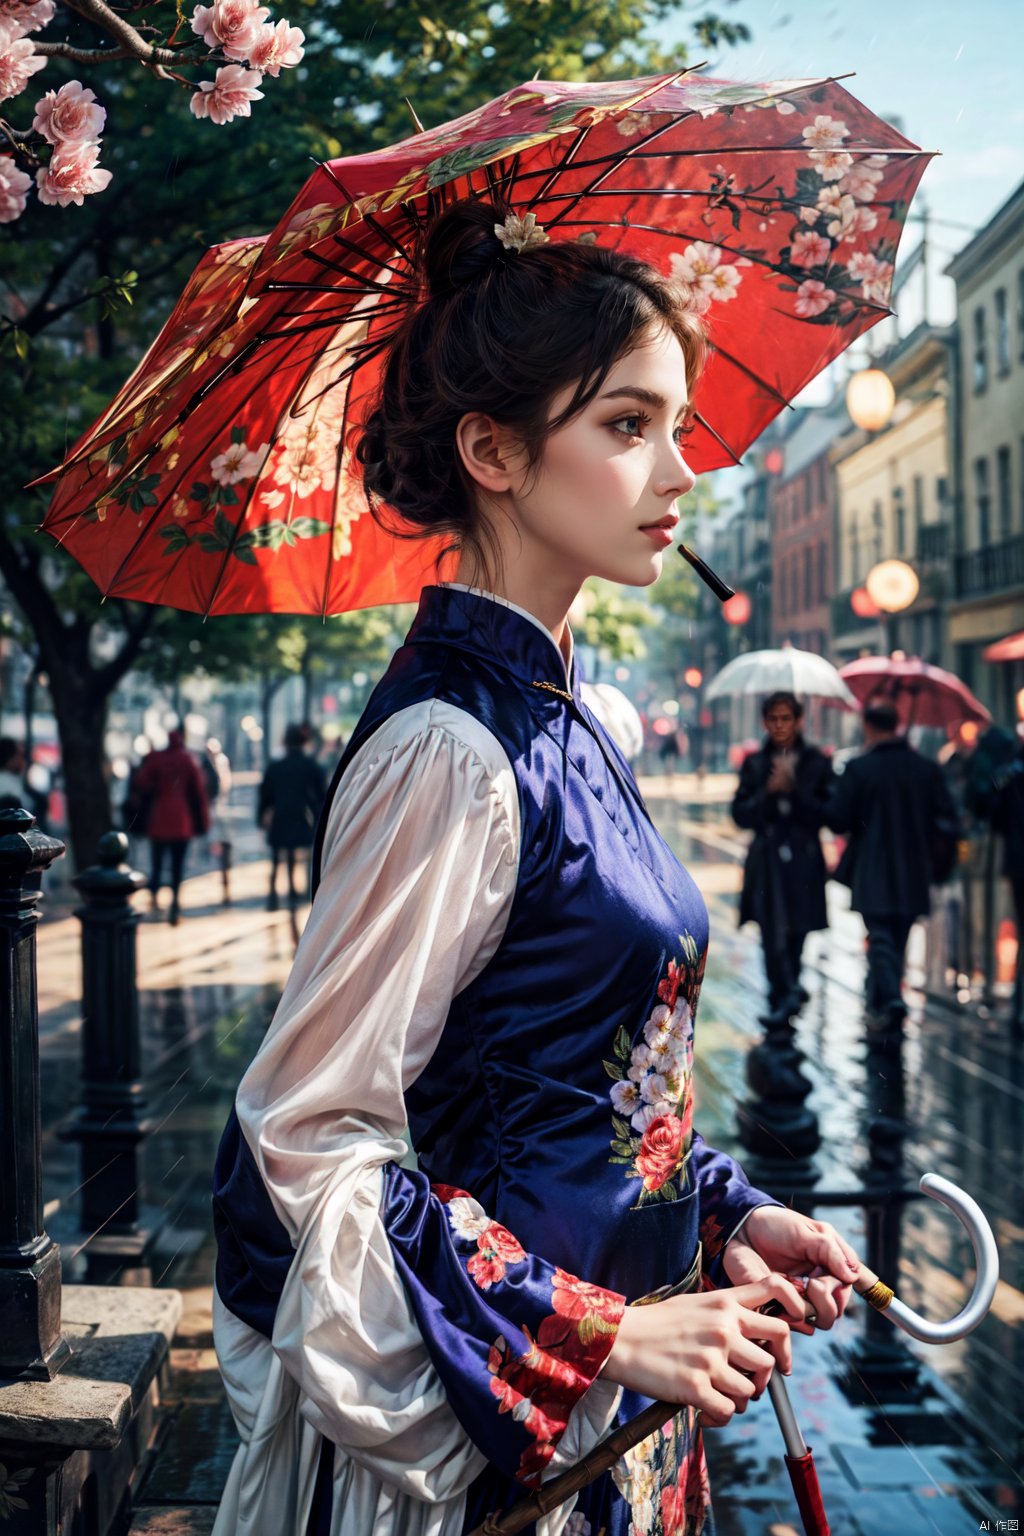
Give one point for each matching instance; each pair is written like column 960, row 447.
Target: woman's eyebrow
column 645, row 396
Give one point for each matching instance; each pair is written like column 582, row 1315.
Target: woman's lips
column 659, row 534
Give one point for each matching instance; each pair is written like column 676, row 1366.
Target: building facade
column 893, row 502
column 803, row 524
column 987, row 603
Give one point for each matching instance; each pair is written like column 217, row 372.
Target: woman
column 503, row 959
column 175, row 810
column 781, row 799
column 291, row 795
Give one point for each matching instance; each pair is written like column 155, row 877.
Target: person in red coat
column 175, row 810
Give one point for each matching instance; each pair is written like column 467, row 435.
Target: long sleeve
column 726, row 1200
column 752, row 806
column 411, row 1334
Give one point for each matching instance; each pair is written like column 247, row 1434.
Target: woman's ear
column 487, row 451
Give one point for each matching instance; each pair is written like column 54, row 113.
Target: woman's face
column 601, row 501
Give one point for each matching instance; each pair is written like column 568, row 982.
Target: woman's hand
column 713, row 1350
column 774, row 1239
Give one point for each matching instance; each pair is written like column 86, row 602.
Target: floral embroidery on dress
column 664, row 1480
column 541, row 1387
column 496, row 1247
column 652, row 1093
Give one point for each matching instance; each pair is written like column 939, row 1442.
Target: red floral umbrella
column 221, row 478
column 924, row 695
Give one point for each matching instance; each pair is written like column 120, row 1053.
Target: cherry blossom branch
column 132, row 44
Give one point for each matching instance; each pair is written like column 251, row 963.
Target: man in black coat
column 291, row 794
column 896, row 809
column 781, row 799
column 1008, row 820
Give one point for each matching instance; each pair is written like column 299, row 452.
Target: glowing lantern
column 693, row 677
column 892, row 585
column 773, row 461
column 1006, row 950
column 736, row 609
column 860, row 602
column 870, row 399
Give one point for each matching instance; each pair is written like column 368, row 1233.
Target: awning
column 1010, row 649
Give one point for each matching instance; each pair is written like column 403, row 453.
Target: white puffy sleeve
column 419, row 869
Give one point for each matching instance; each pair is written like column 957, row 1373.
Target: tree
column 84, row 292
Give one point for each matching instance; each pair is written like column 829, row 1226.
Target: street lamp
column 892, row 586
column 870, row 399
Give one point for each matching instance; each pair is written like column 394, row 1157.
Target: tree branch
column 131, row 44
column 105, row 679
column 34, row 599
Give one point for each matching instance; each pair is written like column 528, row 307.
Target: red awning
column 1010, row 649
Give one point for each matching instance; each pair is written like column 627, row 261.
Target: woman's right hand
column 712, row 1350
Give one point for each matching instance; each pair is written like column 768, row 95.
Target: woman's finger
column 827, row 1248
column 735, row 1385
column 716, row 1410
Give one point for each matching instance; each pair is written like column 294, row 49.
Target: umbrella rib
column 379, row 229
column 357, row 250
column 339, row 459
column 616, row 162
column 717, row 436
column 554, row 174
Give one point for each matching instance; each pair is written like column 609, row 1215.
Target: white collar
column 506, row 602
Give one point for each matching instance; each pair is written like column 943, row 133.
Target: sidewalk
column 208, row 989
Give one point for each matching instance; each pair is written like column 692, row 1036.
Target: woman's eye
column 684, row 432
column 632, row 426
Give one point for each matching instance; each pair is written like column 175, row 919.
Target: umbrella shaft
column 794, row 1440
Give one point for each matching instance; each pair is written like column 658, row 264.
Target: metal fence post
column 110, row 1122
column 31, row 1343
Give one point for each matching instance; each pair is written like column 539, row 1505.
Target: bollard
column 110, row 1122
column 777, row 1128
column 32, row 1346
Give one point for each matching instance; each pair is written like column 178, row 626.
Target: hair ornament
column 518, row 234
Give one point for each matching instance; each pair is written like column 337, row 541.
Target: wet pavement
column 907, row 1439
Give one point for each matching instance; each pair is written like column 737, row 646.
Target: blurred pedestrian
column 174, row 809
column 781, row 798
column 668, row 750
column 1008, row 820
column 902, row 825
column 291, row 794
column 13, row 789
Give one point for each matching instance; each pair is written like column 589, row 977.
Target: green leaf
column 623, row 1044
column 210, row 542
column 620, row 1127
column 624, row 1148
column 614, row 1072
column 199, row 491
column 227, row 496
column 308, row 527
column 238, row 434
column 223, row 528
column 21, row 343
column 246, row 554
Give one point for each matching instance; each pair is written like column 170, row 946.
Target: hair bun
column 461, row 246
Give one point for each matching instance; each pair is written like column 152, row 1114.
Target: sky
column 948, row 73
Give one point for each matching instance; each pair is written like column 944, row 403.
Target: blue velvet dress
column 559, row 1174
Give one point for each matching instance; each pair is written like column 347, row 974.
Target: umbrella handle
column 986, row 1260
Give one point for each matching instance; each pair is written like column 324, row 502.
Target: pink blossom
column 812, row 298
column 19, row 17
column 71, row 175
column 70, row 115
column 231, row 25
column 229, row 95
column 18, row 63
column 809, row 249
column 276, row 48
column 14, row 185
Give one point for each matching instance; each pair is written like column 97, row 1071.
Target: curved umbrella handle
column 986, row 1259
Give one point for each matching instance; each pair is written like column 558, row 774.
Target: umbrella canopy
column 923, row 694
column 222, row 478
column 761, row 672
column 1010, row 649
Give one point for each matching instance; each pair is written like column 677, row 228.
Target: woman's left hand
column 774, row 1238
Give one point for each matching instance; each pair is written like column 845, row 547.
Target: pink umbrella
column 924, row 695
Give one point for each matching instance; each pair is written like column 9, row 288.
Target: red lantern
column 693, row 677
column 773, row 461
column 736, row 609
column 862, row 604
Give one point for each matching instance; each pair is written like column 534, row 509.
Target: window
column 980, row 352
column 876, row 532
column 983, row 500
column 822, row 572
column 942, row 493
column 918, row 493
column 899, row 517
column 1003, row 492
column 1002, row 331
column 809, row 597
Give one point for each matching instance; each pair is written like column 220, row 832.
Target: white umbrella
column 801, row 672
